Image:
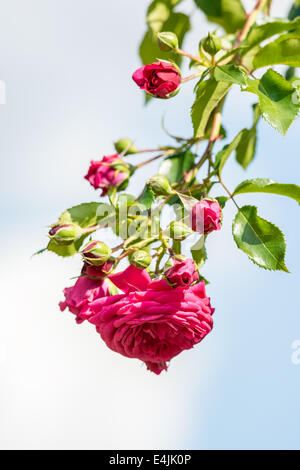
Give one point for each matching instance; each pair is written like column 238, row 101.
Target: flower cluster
column 149, row 320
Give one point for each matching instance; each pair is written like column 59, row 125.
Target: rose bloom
column 102, row 175
column 206, row 216
column 151, row 321
column 182, row 273
column 160, row 79
column 85, row 290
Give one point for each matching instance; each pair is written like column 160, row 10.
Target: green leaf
column 176, row 166
column 209, row 94
column 222, row 200
column 199, row 253
column 147, row 198
column 178, row 23
column 260, row 185
column 85, row 215
column 262, row 241
column 295, row 10
column 230, row 73
column 229, row 14
column 245, row 151
column 157, row 14
column 284, row 50
column 224, row 154
column 263, row 31
column 276, row 99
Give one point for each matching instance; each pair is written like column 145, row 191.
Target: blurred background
column 67, row 66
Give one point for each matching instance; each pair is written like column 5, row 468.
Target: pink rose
column 110, row 172
column 182, row 273
column 206, row 216
column 151, row 321
column 84, row 291
column 160, row 79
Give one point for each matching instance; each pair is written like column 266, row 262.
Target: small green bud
column 160, row 185
column 179, row 231
column 65, row 234
column 211, row 44
column 167, row 41
column 95, row 253
column 125, row 145
column 140, row 259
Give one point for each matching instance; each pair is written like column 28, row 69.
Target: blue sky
column 67, row 67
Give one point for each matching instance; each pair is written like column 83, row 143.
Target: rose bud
column 160, row 79
column 95, row 253
column 179, row 231
column 182, row 273
column 167, row 41
column 160, row 185
column 211, row 44
column 125, row 146
column 65, row 234
column 206, row 216
column 98, row 272
column 110, row 172
column 140, row 259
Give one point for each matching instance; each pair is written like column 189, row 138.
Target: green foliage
column 284, row 50
column 224, row 154
column 208, row 95
column 263, row 31
column 261, row 185
column 161, row 17
column 245, row 151
column 276, row 99
column 147, row 198
column 262, row 241
column 231, row 74
column 174, row 167
column 199, row 252
column 229, row 14
column 85, row 215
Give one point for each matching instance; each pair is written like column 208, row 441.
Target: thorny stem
column 190, row 56
column 251, row 18
column 164, row 154
column 228, row 192
column 191, row 77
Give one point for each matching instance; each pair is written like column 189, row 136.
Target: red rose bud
column 98, row 272
column 206, row 216
column 167, row 41
column 160, row 79
column 182, row 273
column 110, row 172
column 96, row 253
column 65, row 234
column 140, row 259
column 125, row 146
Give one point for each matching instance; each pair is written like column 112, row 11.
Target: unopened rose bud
column 211, row 44
column 140, row 259
column 95, row 253
column 167, row 41
column 98, row 272
column 206, row 216
column 125, row 146
column 160, row 185
column 179, row 231
column 182, row 273
column 65, row 234
column 160, row 79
